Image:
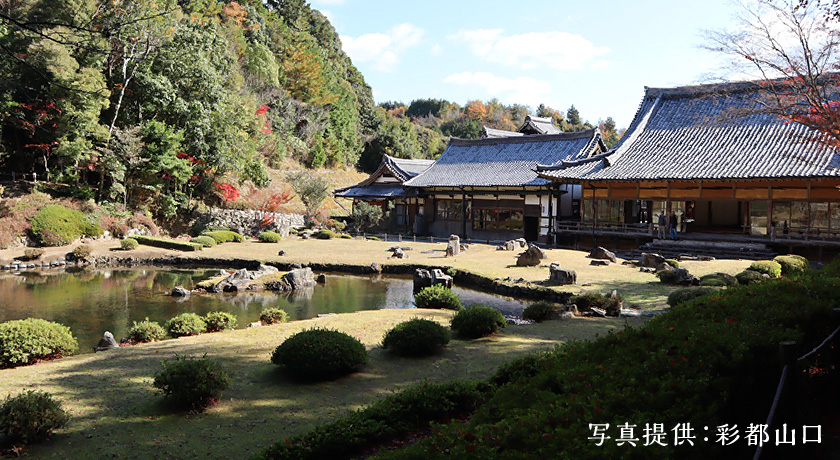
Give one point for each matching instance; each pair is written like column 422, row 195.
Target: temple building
column 727, row 170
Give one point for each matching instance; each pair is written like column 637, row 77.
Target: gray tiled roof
column 492, row 132
column 374, row 191
column 402, row 169
column 508, row 161
column 696, row 133
column 539, row 125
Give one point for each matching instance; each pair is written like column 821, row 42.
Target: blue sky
column 598, row 56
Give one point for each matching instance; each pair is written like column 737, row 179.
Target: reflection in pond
column 93, row 301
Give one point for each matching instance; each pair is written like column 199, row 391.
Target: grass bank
column 117, row 413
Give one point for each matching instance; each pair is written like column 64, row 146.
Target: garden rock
column 107, row 343
column 375, row 268
column 294, row 280
column 652, row 259
column 685, row 278
column 180, row 291
column 424, row 278
column 664, row 266
column 531, row 257
column 399, row 254
column 281, row 253
column 601, row 253
column 559, row 275
column 453, row 248
column 600, row 262
column 647, row 270
column 321, row 279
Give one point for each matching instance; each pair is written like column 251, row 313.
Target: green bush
column 146, row 331
column 410, row 410
column 273, row 316
column 769, row 267
column 587, row 300
column 725, row 279
column 374, row 238
column 792, row 264
column 416, row 337
column 31, row 416
column 32, row 253
column 270, row 237
column 667, row 276
column 224, row 236
column 683, row 295
column 673, row 262
column 477, row 321
column 318, row 354
column 204, row 241
column 192, row 383
column 749, row 277
column 539, row 311
column 55, row 225
column 167, row 243
column 325, row 235
column 219, row 321
column 129, row 244
column 714, row 282
column 520, row 368
column 437, row 296
column 346, row 236
column 26, row 341
column 186, row 324
column 82, row 252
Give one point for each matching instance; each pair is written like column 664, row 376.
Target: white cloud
column 436, row 50
column 383, row 50
column 534, row 50
column 522, row 90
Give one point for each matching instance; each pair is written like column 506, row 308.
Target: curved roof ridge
column 524, row 139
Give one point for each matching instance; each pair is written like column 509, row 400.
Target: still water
column 91, row 302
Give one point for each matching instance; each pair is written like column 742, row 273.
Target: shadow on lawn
column 119, row 413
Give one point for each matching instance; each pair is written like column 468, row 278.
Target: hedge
column 167, row 243
column 224, row 236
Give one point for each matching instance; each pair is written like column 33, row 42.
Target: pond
column 91, row 302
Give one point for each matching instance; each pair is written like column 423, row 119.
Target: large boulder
column 531, row 257
column 241, row 279
column 180, row 291
column 602, row 253
column 453, row 248
column 652, row 259
column 399, row 254
column 107, row 343
column 560, row 275
column 297, row 279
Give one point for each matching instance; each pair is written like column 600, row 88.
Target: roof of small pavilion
column 708, row 132
column 487, row 132
column 539, row 125
column 401, row 169
column 506, row 161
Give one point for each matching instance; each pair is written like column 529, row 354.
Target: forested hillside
column 150, row 104
column 142, row 101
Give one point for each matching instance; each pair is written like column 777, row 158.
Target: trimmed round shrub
column 146, row 331
column 129, row 244
column 769, row 267
column 667, row 276
column 683, row 295
column 273, row 316
column 270, row 237
column 219, row 321
column 346, row 236
column 416, row 337
column 192, row 383
column 749, row 277
column 724, row 279
column 204, row 240
column 477, row 321
column 539, row 311
column 792, row 264
column 82, row 252
column 437, row 296
column 31, row 416
column 374, row 238
column 673, row 262
column 224, row 236
column 28, row 340
column 55, row 225
column 318, row 354
column 186, row 324
column 588, row 300
column 326, row 235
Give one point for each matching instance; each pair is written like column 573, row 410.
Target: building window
column 835, row 216
column 498, row 219
column 610, row 211
column 819, row 216
column 448, row 210
column 758, row 217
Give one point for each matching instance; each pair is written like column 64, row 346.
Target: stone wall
column 248, row 222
